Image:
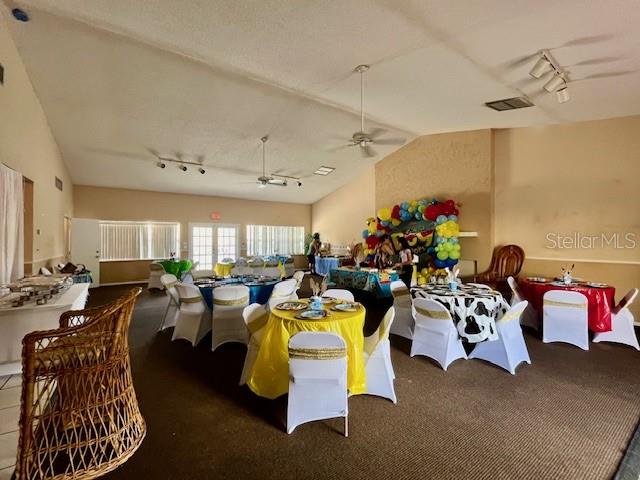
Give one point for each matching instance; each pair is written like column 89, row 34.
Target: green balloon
column 455, row 255
column 442, row 255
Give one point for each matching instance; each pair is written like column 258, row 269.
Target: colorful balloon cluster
column 443, row 245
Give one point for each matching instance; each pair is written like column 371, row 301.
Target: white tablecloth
column 15, row 323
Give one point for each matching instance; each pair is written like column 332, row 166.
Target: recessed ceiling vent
column 509, row 104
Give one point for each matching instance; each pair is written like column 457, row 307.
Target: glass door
column 210, row 243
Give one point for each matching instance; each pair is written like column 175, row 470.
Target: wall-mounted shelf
column 468, row 234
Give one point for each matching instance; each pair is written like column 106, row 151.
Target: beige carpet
column 570, row 415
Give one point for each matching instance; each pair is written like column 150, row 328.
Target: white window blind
column 138, row 240
column 272, row 240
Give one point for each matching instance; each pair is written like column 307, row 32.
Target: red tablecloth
column 601, row 300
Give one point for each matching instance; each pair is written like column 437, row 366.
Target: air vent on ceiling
column 509, row 104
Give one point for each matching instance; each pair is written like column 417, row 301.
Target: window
column 227, row 243
column 138, row 240
column 202, row 247
column 210, row 243
column 272, row 240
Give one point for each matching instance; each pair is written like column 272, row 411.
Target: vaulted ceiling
column 206, row 79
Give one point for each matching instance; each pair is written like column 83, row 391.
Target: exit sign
column 215, row 216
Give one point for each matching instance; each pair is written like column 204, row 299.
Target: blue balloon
column 384, row 223
column 404, row 206
column 440, row 240
column 441, row 219
column 440, row 263
column 454, row 240
column 450, row 262
column 379, row 233
column 431, row 250
column 422, row 202
column 453, row 218
column 418, row 216
column 365, row 233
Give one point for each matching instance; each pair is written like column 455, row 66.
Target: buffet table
column 368, row 279
column 325, row 264
column 270, row 374
column 16, row 322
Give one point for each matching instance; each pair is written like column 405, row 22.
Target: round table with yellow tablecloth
column 270, row 374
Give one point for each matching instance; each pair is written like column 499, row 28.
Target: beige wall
column 449, row 165
column 27, row 145
column 137, row 205
column 567, row 179
column 340, row 216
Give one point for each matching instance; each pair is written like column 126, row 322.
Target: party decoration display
column 429, row 226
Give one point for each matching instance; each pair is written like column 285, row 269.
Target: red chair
column 506, row 261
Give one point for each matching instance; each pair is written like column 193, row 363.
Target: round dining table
column 259, row 291
column 474, row 310
column 269, row 377
column 600, row 298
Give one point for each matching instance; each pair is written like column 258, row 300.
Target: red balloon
column 450, row 203
column 372, row 241
column 431, row 212
column 395, row 212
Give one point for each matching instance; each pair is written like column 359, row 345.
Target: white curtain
column 11, row 225
column 138, row 240
column 273, row 240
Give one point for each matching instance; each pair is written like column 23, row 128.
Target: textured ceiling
column 209, row 78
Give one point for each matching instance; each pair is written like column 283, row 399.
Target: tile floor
column 9, row 415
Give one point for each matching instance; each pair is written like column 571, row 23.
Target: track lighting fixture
column 201, row 170
column 542, row 66
column 558, row 80
column 562, row 95
column 299, row 183
column 554, row 83
column 183, row 168
column 161, row 164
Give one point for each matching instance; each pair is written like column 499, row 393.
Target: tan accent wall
column 340, row 216
column 449, row 165
column 137, row 205
column 27, row 145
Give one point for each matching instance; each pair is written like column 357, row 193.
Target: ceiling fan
column 364, row 139
column 276, row 180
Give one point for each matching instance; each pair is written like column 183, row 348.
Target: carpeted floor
column 570, row 415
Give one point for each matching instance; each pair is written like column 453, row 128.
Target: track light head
column 562, row 95
column 183, row 168
column 299, row 183
column 20, row 15
column 285, row 183
column 541, row 66
column 554, row 83
column 161, row 164
column 201, row 170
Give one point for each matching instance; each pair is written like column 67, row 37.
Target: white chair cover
column 434, row 334
column 529, row 317
column 317, row 379
column 169, row 282
column 282, row 292
column 622, row 322
column 241, row 267
column 156, row 270
column 227, row 260
column 339, row 293
column 510, row 349
column 565, row 318
column 377, row 357
column 191, row 323
column 289, row 267
column 201, row 273
column 479, row 285
column 253, row 314
column 404, row 322
column 228, row 325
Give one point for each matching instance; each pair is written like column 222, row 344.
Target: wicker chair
column 506, row 262
column 79, row 415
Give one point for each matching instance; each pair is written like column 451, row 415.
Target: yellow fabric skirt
column 223, row 269
column 270, row 374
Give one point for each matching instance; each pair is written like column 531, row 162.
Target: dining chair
column 227, row 323
column 479, row 285
column 404, row 322
column 565, row 318
column 298, row 277
column 529, row 317
column 255, row 318
column 510, row 349
column 156, row 270
column 506, row 261
column 169, row 282
column 191, row 323
column 317, row 379
column 340, row 294
column 256, row 266
column 282, row 292
column 377, row 357
column 241, row 267
column 435, row 334
column 271, row 268
column 622, row 323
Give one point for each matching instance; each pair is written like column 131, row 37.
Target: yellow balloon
column 384, row 214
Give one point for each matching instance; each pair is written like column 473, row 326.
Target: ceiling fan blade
column 368, row 152
column 376, row 132
column 340, row 147
column 390, row 141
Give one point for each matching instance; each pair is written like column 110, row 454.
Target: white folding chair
column 255, row 318
column 403, row 324
column 169, row 282
column 622, row 322
column 282, row 292
column 241, row 267
column 435, row 334
column 156, row 270
column 479, row 285
column 377, row 357
column 339, row 294
column 289, row 267
column 256, row 266
column 317, row 379
column 509, row 350
column 565, row 318
column 227, row 322
column 298, row 277
column 271, row 268
column 191, row 323
column 529, row 317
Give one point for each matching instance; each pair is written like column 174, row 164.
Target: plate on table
column 312, row 315
column 538, row 279
column 327, row 300
column 597, row 285
column 346, row 307
column 291, row 306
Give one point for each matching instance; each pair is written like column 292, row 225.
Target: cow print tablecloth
column 474, row 310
